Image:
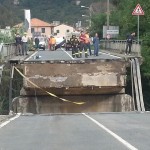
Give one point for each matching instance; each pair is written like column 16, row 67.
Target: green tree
column 97, row 24
column 122, row 16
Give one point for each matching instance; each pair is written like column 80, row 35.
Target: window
column 57, row 31
column 43, row 30
column 32, row 30
column 68, row 31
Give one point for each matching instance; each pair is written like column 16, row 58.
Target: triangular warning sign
column 138, row 10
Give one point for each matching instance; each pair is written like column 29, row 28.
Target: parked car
column 43, row 43
column 59, row 40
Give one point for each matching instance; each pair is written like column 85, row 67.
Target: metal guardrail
column 7, row 51
column 119, row 46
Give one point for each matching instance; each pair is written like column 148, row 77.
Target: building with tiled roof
column 38, row 27
column 39, row 23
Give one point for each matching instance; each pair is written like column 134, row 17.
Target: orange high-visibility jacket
column 52, row 41
column 87, row 39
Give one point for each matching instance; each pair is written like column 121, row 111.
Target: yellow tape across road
column 51, row 94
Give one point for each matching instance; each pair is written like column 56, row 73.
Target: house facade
column 62, row 30
column 39, row 28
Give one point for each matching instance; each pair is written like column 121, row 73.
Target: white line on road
column 31, row 56
column 109, row 54
column 67, row 53
column 8, row 121
column 128, row 145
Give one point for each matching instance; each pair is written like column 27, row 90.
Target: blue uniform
column 96, row 43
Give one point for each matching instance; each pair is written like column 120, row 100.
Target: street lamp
column 88, row 20
column 90, row 13
column 85, row 16
column 85, row 7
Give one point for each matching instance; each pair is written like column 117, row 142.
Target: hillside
column 66, row 11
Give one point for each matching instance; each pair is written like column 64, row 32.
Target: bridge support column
column 96, row 103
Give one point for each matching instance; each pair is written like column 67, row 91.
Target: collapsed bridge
column 55, row 82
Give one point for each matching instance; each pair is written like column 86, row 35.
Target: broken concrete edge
column 70, row 91
column 123, row 56
column 81, row 61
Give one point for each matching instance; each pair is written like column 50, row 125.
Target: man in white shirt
column 25, row 44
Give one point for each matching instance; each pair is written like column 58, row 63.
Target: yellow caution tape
column 51, row 94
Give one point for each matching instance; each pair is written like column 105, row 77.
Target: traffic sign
column 108, row 36
column 112, row 31
column 138, row 11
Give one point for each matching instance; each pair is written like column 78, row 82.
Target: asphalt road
column 61, row 54
column 103, row 131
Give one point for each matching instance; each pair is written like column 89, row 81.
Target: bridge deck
column 105, row 131
column 61, row 54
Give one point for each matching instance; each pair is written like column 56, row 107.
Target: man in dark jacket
column 18, row 40
column 37, row 41
column 130, row 39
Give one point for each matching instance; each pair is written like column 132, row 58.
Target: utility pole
column 108, row 13
column 90, row 12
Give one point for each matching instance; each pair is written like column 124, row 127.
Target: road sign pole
column 138, row 11
column 138, row 28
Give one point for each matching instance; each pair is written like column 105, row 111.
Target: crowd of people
column 83, row 44
column 78, row 44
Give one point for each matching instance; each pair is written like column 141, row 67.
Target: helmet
column 73, row 35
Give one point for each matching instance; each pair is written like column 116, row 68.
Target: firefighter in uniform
column 83, row 44
column 74, row 45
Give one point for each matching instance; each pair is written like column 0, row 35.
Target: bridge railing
column 7, row 51
column 119, row 46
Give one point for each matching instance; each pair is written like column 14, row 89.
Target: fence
column 7, row 51
column 119, row 46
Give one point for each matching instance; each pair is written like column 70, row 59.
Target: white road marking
column 67, row 53
column 31, row 56
column 128, row 145
column 8, row 121
column 110, row 54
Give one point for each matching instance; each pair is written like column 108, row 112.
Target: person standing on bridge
column 96, row 43
column 37, row 41
column 75, row 45
column 52, row 43
column 129, row 41
column 18, row 40
column 83, row 44
column 88, row 43
column 24, row 44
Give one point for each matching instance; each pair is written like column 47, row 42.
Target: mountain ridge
column 47, row 10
